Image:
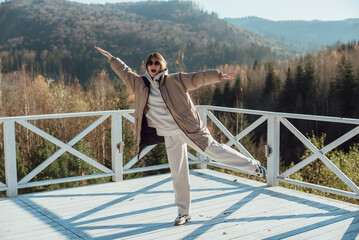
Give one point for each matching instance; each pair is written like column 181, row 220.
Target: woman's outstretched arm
column 121, row 69
column 103, row 52
column 195, row 80
column 229, row 75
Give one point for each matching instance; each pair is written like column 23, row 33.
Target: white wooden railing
column 273, row 119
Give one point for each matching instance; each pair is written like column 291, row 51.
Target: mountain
column 309, row 35
column 57, row 37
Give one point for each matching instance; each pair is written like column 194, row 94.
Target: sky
column 326, row 10
column 274, row 9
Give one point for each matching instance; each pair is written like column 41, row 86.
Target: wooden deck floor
column 143, row 208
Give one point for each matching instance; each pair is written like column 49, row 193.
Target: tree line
column 324, row 83
column 57, row 37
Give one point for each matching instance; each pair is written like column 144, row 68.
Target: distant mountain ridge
column 308, row 35
column 49, row 35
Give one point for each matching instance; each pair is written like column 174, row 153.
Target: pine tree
column 309, row 94
column 217, row 96
column 255, row 65
column 299, row 83
column 227, row 98
column 237, row 91
column 271, row 89
column 345, row 90
column 287, row 98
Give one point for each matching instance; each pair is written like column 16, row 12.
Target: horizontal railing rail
column 273, row 119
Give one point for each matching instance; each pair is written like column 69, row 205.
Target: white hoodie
column 158, row 116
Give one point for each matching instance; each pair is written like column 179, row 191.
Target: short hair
column 160, row 59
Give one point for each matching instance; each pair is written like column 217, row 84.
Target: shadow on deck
column 223, row 207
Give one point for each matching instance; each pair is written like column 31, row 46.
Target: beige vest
column 174, row 89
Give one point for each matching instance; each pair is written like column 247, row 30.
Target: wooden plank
column 153, row 216
column 65, row 180
column 48, row 233
column 4, row 201
column 145, row 169
column 144, row 208
column 104, row 189
column 74, row 208
column 10, row 158
column 350, row 235
column 165, row 234
column 313, row 197
column 99, row 188
column 251, row 208
column 137, row 203
column 205, row 183
column 26, row 226
column 16, row 211
column 116, row 153
column 79, row 196
column 320, row 187
column 18, row 214
column 273, row 142
column 292, row 224
column 207, row 213
column 205, row 220
column 65, row 115
column 336, row 229
column 316, row 223
column 258, row 226
column 284, row 115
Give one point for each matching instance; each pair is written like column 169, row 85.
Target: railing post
column 10, row 158
column 273, row 150
column 117, row 147
column 202, row 164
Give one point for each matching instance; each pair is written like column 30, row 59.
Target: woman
column 164, row 112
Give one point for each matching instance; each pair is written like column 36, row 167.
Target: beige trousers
column 176, row 147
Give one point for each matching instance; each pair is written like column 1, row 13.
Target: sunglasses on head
column 156, row 63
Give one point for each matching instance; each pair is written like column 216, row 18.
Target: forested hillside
column 57, row 37
column 48, row 65
column 308, row 35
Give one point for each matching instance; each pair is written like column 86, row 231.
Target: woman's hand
column 229, row 75
column 105, row 53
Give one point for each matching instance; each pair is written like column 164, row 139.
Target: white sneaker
column 182, row 219
column 261, row 172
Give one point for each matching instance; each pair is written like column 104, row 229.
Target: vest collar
column 155, row 81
